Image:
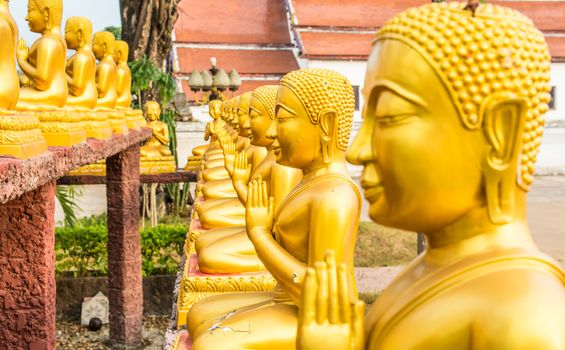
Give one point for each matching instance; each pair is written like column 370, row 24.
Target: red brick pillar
column 27, row 271
column 124, row 247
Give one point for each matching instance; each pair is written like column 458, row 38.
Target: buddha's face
column 422, row 169
column 35, row 17
column 152, row 111
column 243, row 121
column 260, row 122
column 72, row 37
column 98, row 47
column 296, row 140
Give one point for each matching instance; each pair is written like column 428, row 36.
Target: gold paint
column 321, row 212
column 123, row 83
column 482, row 282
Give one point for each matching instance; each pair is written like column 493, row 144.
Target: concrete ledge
column 176, row 177
column 20, row 176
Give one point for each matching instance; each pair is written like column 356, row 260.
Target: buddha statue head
column 78, row 32
column 43, row 15
column 103, row 44
column 152, row 111
column 314, row 113
column 234, row 121
column 121, row 52
column 243, row 114
column 215, row 109
column 262, row 114
column 453, row 116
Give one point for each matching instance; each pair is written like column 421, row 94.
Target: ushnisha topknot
column 495, row 51
column 267, row 96
column 323, row 89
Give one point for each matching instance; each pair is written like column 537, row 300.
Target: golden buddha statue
column 215, row 111
column 20, row 135
column 44, row 89
column 9, row 89
column 81, row 78
column 156, row 157
column 229, row 250
column 106, row 80
column 123, row 80
column 322, row 212
column 455, row 98
column 44, row 63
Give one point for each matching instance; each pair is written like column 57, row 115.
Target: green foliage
column 82, row 249
column 66, row 195
column 147, row 76
column 117, row 31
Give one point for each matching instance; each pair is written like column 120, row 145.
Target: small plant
column 82, row 250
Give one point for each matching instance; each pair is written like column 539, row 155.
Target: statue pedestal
column 20, row 136
column 196, row 285
column 135, row 119
column 157, row 166
column 61, row 128
column 96, row 125
column 118, row 122
column 95, row 169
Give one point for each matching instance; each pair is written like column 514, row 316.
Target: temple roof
column 264, row 39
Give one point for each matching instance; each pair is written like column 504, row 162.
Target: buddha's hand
column 229, row 157
column 328, row 319
column 22, row 51
column 259, row 210
column 242, row 168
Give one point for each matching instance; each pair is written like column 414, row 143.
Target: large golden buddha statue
column 44, row 63
column 322, row 212
column 106, row 80
column 20, row 135
column 229, row 250
column 156, row 157
column 123, row 79
column 455, row 98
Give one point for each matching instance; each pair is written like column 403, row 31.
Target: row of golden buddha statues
column 453, row 119
column 57, row 101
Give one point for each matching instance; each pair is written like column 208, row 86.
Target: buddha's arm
column 162, row 134
column 77, row 82
column 207, row 132
column 42, row 74
column 243, row 170
column 103, row 80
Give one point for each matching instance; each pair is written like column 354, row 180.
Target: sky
column 102, row 13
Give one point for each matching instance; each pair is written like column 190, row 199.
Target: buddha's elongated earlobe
column 328, row 123
column 503, row 128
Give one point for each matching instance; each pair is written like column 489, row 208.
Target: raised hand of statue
column 327, row 318
column 259, row 209
column 242, row 168
column 229, row 157
column 22, row 51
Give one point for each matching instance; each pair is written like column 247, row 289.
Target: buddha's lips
column 276, row 150
column 372, row 193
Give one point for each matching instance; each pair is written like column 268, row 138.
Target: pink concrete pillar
column 124, row 247
column 27, row 271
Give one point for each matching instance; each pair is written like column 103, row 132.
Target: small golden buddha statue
column 123, row 80
column 215, row 111
column 81, row 78
column 313, row 122
column 228, row 251
column 9, row 89
column 20, row 135
column 44, row 63
column 44, row 82
column 455, row 98
column 156, row 157
column 106, row 80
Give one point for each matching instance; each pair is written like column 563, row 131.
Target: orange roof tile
column 349, row 13
column 556, row 47
column 250, row 62
column 547, row 15
column 327, row 45
column 233, row 21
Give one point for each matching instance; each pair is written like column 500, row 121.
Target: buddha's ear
column 46, row 16
column 503, row 127
column 328, row 123
column 104, row 47
column 80, row 37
